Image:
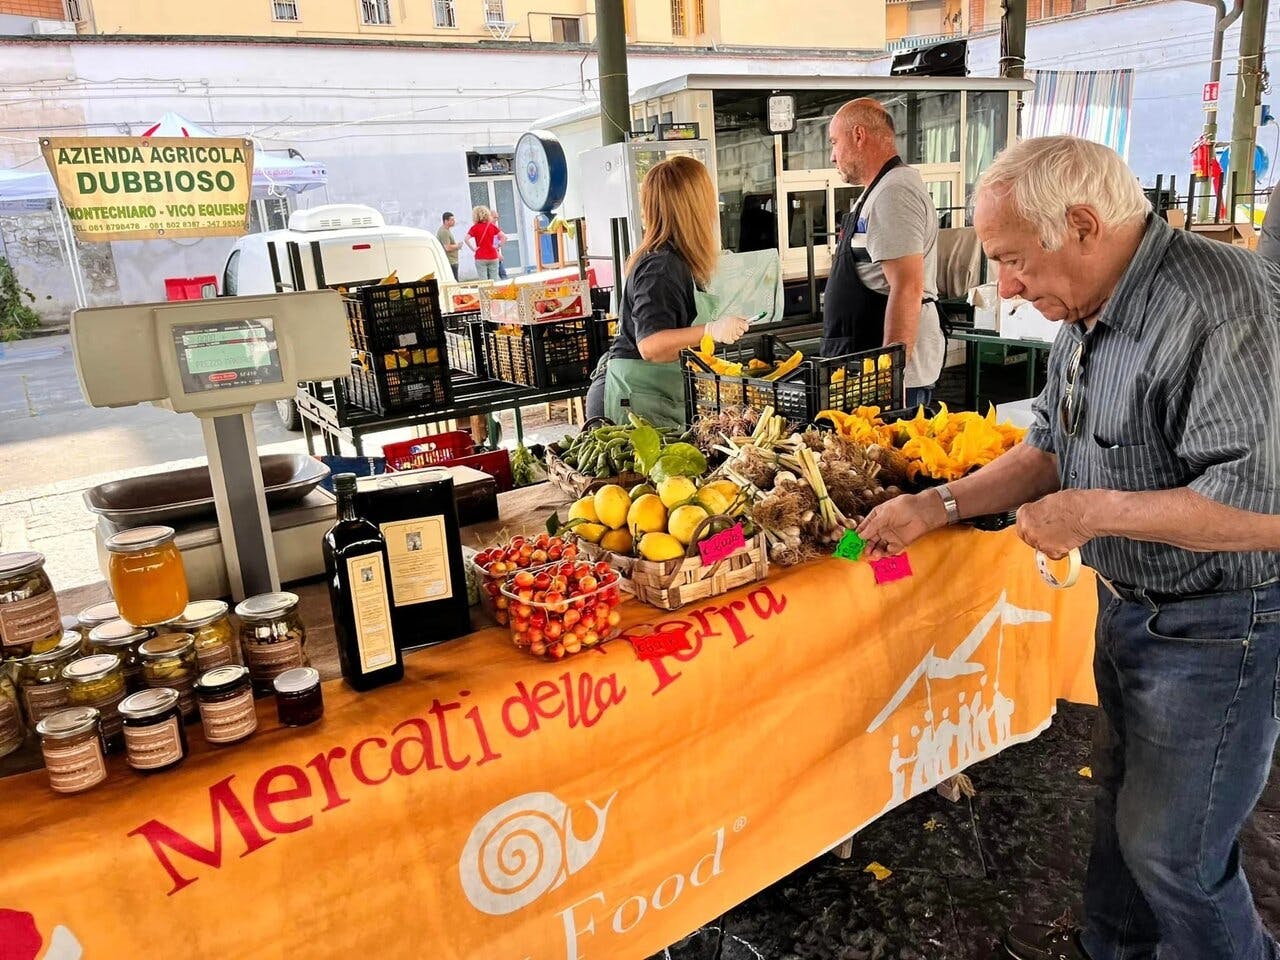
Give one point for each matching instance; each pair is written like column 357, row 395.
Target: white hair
column 1047, row 176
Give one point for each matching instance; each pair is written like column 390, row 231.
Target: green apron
column 654, row 391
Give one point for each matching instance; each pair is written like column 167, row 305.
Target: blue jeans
column 919, row 396
column 1188, row 690
column 487, row 269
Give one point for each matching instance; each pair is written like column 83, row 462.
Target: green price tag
column 850, row 546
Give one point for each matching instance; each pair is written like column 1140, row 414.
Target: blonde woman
column 661, row 312
column 481, row 241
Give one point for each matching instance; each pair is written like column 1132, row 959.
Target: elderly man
column 883, row 280
column 1156, row 450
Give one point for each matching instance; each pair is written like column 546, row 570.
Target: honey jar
column 147, row 576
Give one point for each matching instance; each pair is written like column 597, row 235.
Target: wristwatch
column 949, row 504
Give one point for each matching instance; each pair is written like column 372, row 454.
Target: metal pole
column 1220, row 25
column 611, row 47
column 1013, row 46
column 1244, row 121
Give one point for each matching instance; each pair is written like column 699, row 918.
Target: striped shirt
column 1178, row 386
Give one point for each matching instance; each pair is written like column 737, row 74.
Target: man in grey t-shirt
column 445, row 236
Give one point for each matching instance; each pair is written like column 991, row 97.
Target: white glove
column 728, row 329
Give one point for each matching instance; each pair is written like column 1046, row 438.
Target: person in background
column 884, row 275
column 1269, row 242
column 1155, row 452
column 661, row 313
column 446, row 238
column 502, row 238
column 481, row 241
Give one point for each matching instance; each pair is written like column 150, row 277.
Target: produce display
column 636, row 447
column 563, row 609
column 495, row 565
column 755, row 368
column 943, row 447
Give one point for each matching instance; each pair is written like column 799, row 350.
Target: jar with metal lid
column 299, row 697
column 41, row 689
column 154, row 739
column 147, row 576
column 227, row 712
column 98, row 681
column 123, row 639
column 12, row 731
column 272, row 637
column 99, row 613
column 208, row 622
column 169, row 660
column 30, row 621
column 71, row 741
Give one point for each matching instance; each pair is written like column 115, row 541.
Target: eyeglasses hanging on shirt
column 1071, row 407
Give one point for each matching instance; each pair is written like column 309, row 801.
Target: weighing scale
column 217, row 359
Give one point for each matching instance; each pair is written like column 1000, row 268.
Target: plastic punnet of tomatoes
column 563, row 609
column 495, row 565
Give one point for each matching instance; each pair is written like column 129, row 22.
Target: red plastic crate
column 496, row 463
column 434, row 451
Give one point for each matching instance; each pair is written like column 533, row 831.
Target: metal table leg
column 519, row 425
column 972, row 368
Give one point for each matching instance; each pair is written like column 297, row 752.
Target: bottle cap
column 344, row 483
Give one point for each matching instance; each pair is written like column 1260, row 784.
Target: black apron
column 852, row 313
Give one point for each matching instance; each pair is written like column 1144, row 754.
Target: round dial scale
column 541, row 173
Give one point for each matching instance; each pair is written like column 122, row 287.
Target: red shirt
column 484, row 235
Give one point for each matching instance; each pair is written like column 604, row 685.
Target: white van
column 355, row 245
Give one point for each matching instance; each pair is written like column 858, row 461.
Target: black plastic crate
column 840, row 383
column 418, row 386
column 603, row 329
column 464, row 343
column 543, row 355
column 395, row 316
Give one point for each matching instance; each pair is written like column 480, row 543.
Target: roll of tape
column 1049, row 577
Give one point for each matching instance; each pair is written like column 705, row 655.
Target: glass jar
column 169, row 660
column 153, row 736
column 208, row 622
column 12, row 732
column 299, row 697
column 122, row 639
column 147, row 576
column 98, row 681
column 99, row 613
column 41, row 689
column 272, row 637
column 227, row 713
column 71, row 741
column 29, row 618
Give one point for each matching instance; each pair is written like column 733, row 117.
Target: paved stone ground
column 1016, row 850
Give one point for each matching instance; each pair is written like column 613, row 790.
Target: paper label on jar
column 217, row 656
column 40, row 700
column 75, row 767
column 419, row 559
column 266, row 661
column 25, row 621
column 10, row 721
column 155, row 746
column 230, row 720
column 371, row 611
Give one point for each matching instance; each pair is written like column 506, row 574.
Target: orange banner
column 492, row 807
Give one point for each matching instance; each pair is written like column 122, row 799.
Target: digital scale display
column 227, row 354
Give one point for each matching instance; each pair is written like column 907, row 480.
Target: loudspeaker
column 948, row 59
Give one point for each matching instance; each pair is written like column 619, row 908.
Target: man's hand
column 892, row 527
column 1056, row 524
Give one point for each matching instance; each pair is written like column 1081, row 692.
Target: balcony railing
column 910, row 43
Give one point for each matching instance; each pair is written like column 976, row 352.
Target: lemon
column 612, row 503
column 660, row 546
column 647, row 515
column 729, row 491
column 617, row 541
column 584, row 509
column 714, row 500
column 684, row 521
column 591, row 532
column 640, row 489
column 675, row 491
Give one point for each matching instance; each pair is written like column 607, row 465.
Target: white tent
column 33, row 191
column 26, row 186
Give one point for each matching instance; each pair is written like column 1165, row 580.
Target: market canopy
column 26, row 186
column 273, row 175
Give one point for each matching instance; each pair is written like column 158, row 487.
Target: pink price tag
column 722, row 545
column 664, row 643
column 889, row 569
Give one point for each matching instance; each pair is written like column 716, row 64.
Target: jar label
column 10, row 721
column 157, row 745
column 75, row 766
column 24, row 621
column 266, row 661
column 42, row 699
column 222, row 655
column 229, row 720
column 418, row 554
column 366, row 576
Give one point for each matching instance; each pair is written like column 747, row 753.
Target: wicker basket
column 672, row 584
column 577, row 484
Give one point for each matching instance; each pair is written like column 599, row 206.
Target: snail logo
column 20, row 939
column 523, row 849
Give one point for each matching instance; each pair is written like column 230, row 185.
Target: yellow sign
column 126, row 188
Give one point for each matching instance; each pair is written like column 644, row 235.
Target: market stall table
column 493, row 806
column 977, row 339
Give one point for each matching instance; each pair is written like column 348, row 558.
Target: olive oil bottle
column 355, row 563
